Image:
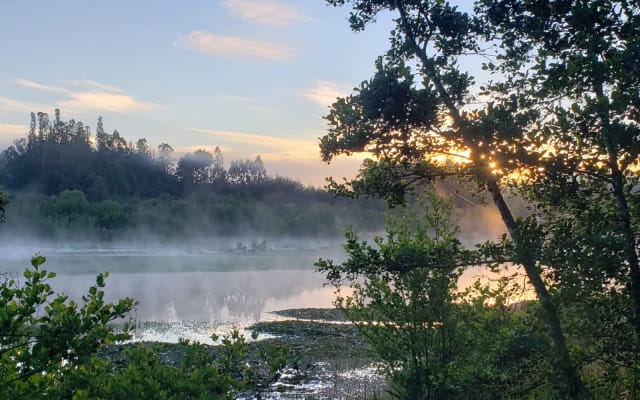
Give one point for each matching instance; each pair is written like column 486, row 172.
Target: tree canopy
column 556, row 120
column 61, row 155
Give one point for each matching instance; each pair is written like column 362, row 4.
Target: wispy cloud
column 325, row 93
column 11, row 131
column 268, row 146
column 12, row 105
column 265, row 12
column 82, row 95
column 98, row 86
column 106, row 101
column 39, row 86
column 233, row 46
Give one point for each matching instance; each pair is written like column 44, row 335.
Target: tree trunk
column 570, row 381
column 631, row 254
column 630, row 245
column 573, row 385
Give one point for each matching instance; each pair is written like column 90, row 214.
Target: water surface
column 191, row 292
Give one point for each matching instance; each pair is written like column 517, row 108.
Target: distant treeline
column 65, row 181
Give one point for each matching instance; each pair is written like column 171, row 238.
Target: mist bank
column 69, row 216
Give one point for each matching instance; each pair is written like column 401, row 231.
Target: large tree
column 420, row 120
column 194, row 168
column 584, row 82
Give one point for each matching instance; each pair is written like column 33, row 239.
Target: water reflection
column 209, row 296
column 210, row 287
column 177, row 285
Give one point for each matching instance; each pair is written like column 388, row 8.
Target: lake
column 191, row 292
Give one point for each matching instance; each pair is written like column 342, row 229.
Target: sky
column 254, row 77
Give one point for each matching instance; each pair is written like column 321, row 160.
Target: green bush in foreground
column 49, row 345
column 435, row 340
column 45, row 336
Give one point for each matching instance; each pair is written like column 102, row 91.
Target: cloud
column 270, row 147
column 106, row 101
column 83, row 96
column 234, row 98
column 233, row 46
column 325, row 93
column 98, row 86
column 12, row 105
column 39, row 86
column 267, row 146
column 12, row 130
column 265, row 12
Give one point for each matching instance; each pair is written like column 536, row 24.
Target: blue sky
column 251, row 76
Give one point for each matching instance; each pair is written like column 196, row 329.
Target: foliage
column 247, row 171
column 63, row 188
column 49, row 349
column 46, row 336
column 436, row 340
column 194, row 168
column 4, row 202
column 275, row 208
column 583, row 59
column 556, row 119
column 143, row 374
column 58, row 155
column 111, row 215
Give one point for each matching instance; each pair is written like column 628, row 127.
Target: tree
column 4, row 202
column 165, row 157
column 194, row 168
column 402, row 299
column 102, row 137
column 410, row 124
column 111, row 215
column 142, row 147
column 32, row 138
column 118, row 143
column 43, row 126
column 583, row 80
column 218, row 173
column 246, row 172
column 71, row 203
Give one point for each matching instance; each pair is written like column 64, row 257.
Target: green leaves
column 437, row 340
column 45, row 336
column 37, row 261
column 48, row 348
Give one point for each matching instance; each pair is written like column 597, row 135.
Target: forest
column 554, row 121
column 66, row 183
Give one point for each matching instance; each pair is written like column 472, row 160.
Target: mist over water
column 213, row 284
column 217, row 287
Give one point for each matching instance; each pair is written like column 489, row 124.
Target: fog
column 178, row 284
column 208, row 284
